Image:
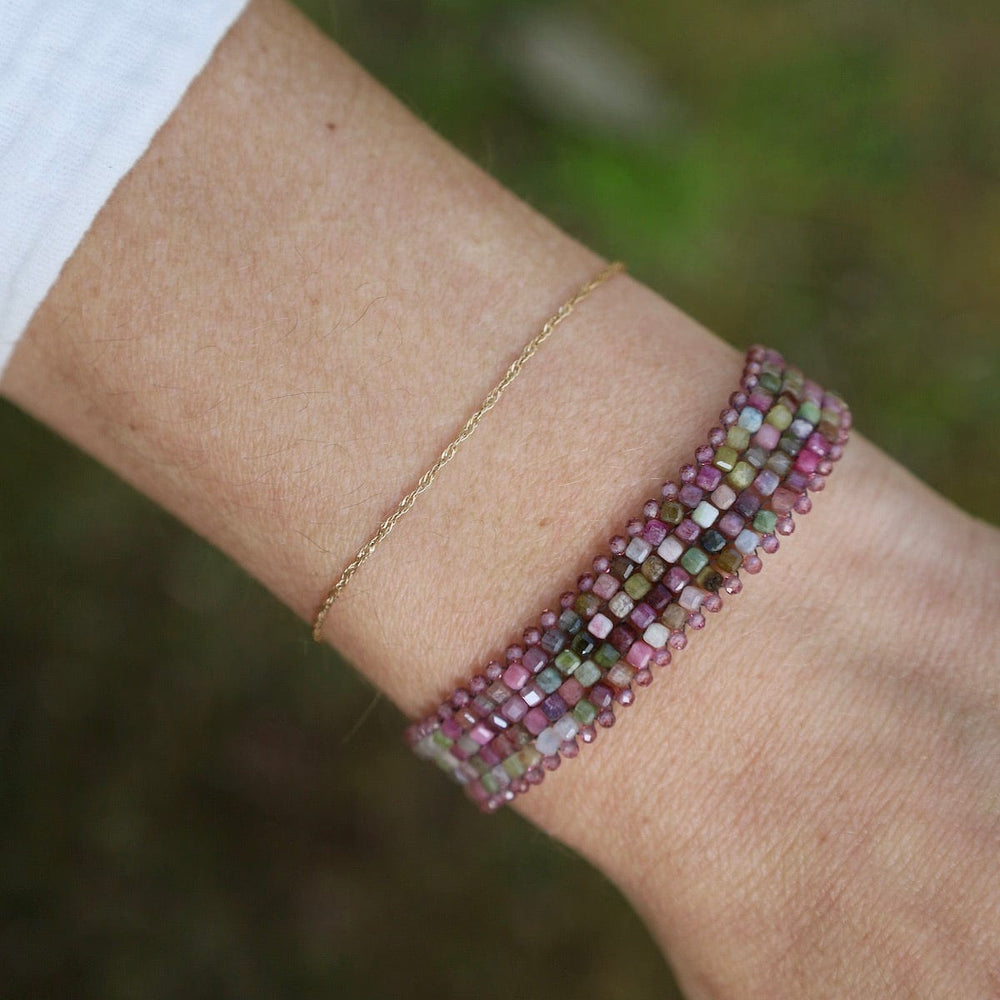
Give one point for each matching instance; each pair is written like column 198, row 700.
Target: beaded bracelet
column 776, row 442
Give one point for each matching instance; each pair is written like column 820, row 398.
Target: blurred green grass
column 186, row 806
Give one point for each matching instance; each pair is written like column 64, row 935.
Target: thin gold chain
column 466, row 432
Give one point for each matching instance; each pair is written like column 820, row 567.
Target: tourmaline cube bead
column 587, row 604
column 549, row 680
column 783, row 500
column 769, row 380
column 535, row 721
column 779, row 463
column 535, row 658
column 571, row 691
column 481, row 734
column 600, row 625
column 687, row 531
column 767, row 437
column 636, row 587
column 621, row 638
column 621, row 674
column 488, row 756
column 639, row 654
column 605, row 586
column 621, row 605
column 583, row 644
column 691, row 496
column 760, row 400
column 809, row 412
column 756, row 457
column 659, row 597
column 741, row 476
column 656, row 635
column 779, row 416
column 570, row 622
column 671, row 549
column 694, row 560
column 725, row 459
column 532, row 694
column 801, row 429
column 708, row 477
column 747, row 503
column 790, row 444
column 737, row 437
column 747, row 541
column 691, row 597
column 709, row 579
column 764, row 521
column 642, row 615
column 553, row 640
column 819, row 444
column 677, row 579
column 567, row 727
column 674, row 617
column 671, row 512
column 723, row 496
column 567, row 661
column 621, row 568
column 584, row 712
column 807, row 461
column 601, row 696
column 588, row 673
column 606, row 656
column 704, row 514
column 729, row 561
column 548, row 742
column 750, row 418
column 653, row 568
column 637, row 550
column 498, row 693
column 654, row 532
column 514, row 709
column 554, row 707
column 766, row 482
column 713, row 541
column 513, row 767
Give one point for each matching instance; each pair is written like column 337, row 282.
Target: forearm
column 296, row 270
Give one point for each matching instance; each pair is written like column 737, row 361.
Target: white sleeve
column 84, row 85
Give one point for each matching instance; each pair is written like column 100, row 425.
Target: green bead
column 725, row 458
column 513, row 766
column 587, row 605
column 738, row 438
column 780, row 416
column 583, row 644
column 529, row 757
column 741, row 476
column 764, row 521
column 441, row 740
column 606, row 656
column 588, row 674
column 653, row 568
column 674, row 617
column 671, row 512
column 567, row 661
column 769, row 381
column 694, row 561
column 729, row 561
column 637, row 586
column 584, row 713
column 549, row 679
column 808, row 411
column 490, row 783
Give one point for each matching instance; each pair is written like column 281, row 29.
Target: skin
column 293, row 301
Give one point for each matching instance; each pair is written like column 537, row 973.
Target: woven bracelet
column 517, row 717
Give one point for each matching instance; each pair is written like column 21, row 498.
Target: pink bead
column 691, row 496
column 481, row 733
column 535, row 721
column 618, row 544
column 639, row 654
column 803, row 504
column 478, row 684
column 532, row 636
column 662, row 657
column 601, row 565
column 785, row 526
column 634, row 528
column 783, row 500
column 825, row 467
column 705, row 454
column 767, row 437
column 691, row 597
column 548, row 619
column 567, row 599
column 728, row 418
column 733, row 585
column 535, row 659
column 687, row 531
column 655, row 531
column 730, row 524
column 569, row 749
column 650, row 509
column 514, row 709
column 571, row 691
column 584, row 583
column 678, row 640
column 669, row 490
column 677, row 579
column 514, row 653
column 817, row 484
column 769, row 544
column 600, row 626
column 696, row 620
column 752, row 563
column 588, row 734
column 605, row 586
column 625, row 697
column 817, row 444
column 643, row 678
column 708, row 477
column 551, row 763
column 494, row 671
column 712, row 603
column 716, row 437
column 807, row 461
column 516, row 676
column 688, row 472
column 606, row 718
column 760, row 400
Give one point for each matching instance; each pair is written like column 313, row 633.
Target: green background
column 195, row 800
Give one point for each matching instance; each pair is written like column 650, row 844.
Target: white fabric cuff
column 84, row 86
